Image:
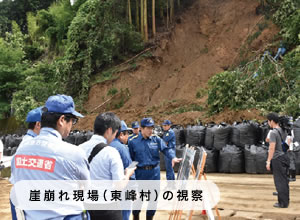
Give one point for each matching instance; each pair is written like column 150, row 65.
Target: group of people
column 108, row 154
column 105, row 156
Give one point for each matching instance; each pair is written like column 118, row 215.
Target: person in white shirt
column 105, row 163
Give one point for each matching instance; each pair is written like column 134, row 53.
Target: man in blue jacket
column 120, row 144
column 135, row 129
column 144, row 148
column 170, row 140
column 34, row 123
column 48, row 157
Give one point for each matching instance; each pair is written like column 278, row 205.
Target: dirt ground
column 205, row 40
column 243, row 196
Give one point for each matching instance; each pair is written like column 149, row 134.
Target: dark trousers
column 169, row 169
column 106, row 214
column 280, row 166
column 141, row 174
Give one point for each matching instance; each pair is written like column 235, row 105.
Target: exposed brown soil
column 207, row 40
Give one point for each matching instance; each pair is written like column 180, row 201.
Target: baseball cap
column 167, row 122
column 34, row 115
column 61, row 104
column 147, row 122
column 135, row 124
column 123, row 127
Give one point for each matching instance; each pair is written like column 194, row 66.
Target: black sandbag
column 255, row 159
column 221, row 136
column 195, row 135
column 16, row 142
column 264, row 130
column 88, row 135
column 209, row 136
column 71, row 138
column 13, row 151
column 245, row 133
column 179, row 135
column 296, row 129
column 9, row 141
column 296, row 135
column 211, row 164
column 180, row 146
column 7, row 151
column 297, row 155
column 235, row 134
column 231, row 160
column 79, row 138
column 296, row 124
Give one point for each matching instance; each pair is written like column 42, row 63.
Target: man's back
column 47, row 157
column 107, row 164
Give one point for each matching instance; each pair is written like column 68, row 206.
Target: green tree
column 17, row 10
column 11, row 66
column 98, row 36
column 40, row 82
column 54, row 23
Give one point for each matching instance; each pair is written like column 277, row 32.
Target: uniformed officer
column 145, row 148
column 170, row 140
column 106, row 163
column 34, row 123
column 120, row 144
column 58, row 160
column 135, row 129
column 34, row 126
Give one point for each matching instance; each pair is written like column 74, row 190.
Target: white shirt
column 107, row 164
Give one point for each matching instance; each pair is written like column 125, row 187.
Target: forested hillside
column 185, row 60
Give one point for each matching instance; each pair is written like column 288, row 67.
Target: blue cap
column 123, row 127
column 167, row 122
column 62, row 104
column 135, row 124
column 34, row 115
column 147, row 122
